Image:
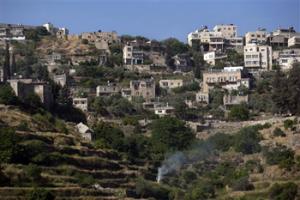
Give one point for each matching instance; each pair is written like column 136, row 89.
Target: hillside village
column 100, row 94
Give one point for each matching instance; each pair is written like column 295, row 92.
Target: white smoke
column 171, row 164
column 177, row 160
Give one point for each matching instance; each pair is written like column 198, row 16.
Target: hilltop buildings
column 258, row 57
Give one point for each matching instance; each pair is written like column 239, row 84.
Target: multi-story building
column 258, row 37
column 279, row 38
column 294, row 42
column 228, row 78
column 235, row 43
column 143, row 88
column 170, row 83
column 132, row 55
column 25, row 87
column 109, row 37
column 212, row 56
column 13, row 31
column 208, row 40
column 107, row 90
column 287, row 57
column 258, row 57
column 228, row 30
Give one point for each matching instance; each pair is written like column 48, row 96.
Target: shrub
column 108, row 135
column 247, row 140
column 285, row 191
column 278, row 132
column 242, row 184
column 201, row 190
column 239, row 113
column 8, row 144
column 85, row 180
column 23, row 126
column 170, row 134
column 7, row 95
column 254, row 166
column 280, row 155
column 34, row 173
column 221, row 141
column 41, row 194
column 288, row 123
column 147, row 189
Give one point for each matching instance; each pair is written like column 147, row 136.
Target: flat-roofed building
column 258, row 57
column 294, row 42
column 108, row 89
column 213, row 56
column 287, row 58
column 257, row 37
column 229, row 75
column 170, row 83
column 132, row 55
column 227, row 30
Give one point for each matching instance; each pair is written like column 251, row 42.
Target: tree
column 111, row 136
column 293, row 96
column 279, row 92
column 221, row 141
column 8, row 144
column 285, row 191
column 278, row 132
column 239, row 112
column 280, row 155
column 40, row 194
column 247, row 140
column 171, row 134
column 174, row 46
column 7, row 95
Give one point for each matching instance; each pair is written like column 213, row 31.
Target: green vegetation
column 40, row 194
column 239, row 112
column 280, row 155
column 170, row 134
column 286, row 191
column 7, row 95
column 278, row 132
column 247, row 140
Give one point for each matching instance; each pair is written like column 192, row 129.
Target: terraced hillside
column 64, row 164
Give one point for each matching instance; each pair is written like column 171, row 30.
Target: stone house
column 107, row 90
column 170, row 83
column 230, row 100
column 143, row 88
column 25, row 87
column 85, row 131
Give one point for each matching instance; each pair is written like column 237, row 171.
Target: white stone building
column 227, row 30
column 132, row 56
column 258, row 37
column 258, row 57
